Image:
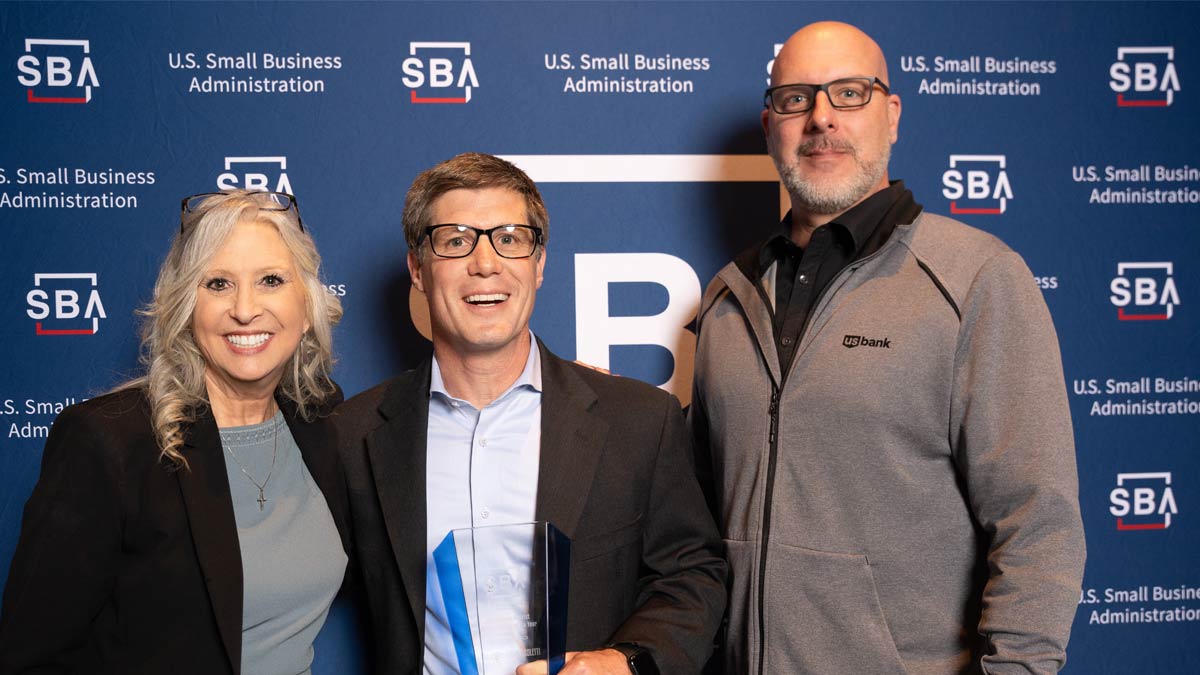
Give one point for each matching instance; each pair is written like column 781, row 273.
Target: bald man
column 880, row 411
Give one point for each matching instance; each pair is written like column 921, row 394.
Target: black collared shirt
column 803, row 274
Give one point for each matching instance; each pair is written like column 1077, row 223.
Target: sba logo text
column 257, row 174
column 1144, row 77
column 1143, row 501
column 56, row 302
column 439, row 72
column 57, row 71
column 977, row 184
column 1144, row 291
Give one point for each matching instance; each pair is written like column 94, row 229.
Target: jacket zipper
column 773, row 450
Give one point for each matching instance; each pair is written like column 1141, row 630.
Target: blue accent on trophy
column 445, row 558
column 505, row 590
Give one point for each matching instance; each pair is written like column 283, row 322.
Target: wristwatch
column 637, row 657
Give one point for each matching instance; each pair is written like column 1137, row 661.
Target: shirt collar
column 862, row 220
column 530, row 377
column 859, row 223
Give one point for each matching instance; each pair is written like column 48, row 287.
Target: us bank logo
column 439, row 72
column 57, row 71
column 977, row 184
column 1144, row 77
column 852, row 341
column 65, row 304
column 257, row 174
column 1143, row 501
column 1144, row 291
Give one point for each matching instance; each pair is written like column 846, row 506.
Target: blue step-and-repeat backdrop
column 1069, row 130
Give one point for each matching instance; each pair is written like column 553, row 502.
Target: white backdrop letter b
column 596, row 331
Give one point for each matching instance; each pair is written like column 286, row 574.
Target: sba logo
column 57, row 71
column 56, row 304
column 1149, row 72
column 1143, row 501
column 258, row 174
column 979, row 182
column 439, row 79
column 1149, row 287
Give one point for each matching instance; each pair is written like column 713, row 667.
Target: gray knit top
column 292, row 558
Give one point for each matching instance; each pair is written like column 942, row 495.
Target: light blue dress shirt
column 481, row 469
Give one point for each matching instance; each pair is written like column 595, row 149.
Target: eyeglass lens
column 273, row 201
column 849, row 93
column 510, row 241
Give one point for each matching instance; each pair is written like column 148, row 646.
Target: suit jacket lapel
column 397, row 452
column 209, row 507
column 572, row 444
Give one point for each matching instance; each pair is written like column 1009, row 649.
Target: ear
column 541, row 265
column 305, row 291
column 414, row 270
column 893, row 109
column 766, row 127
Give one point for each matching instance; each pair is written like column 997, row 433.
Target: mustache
column 825, row 144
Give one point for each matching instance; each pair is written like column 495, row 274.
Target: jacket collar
column 205, row 489
column 738, row 278
column 396, row 449
column 573, row 440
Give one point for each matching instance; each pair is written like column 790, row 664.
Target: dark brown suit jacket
column 124, row 566
column 615, row 476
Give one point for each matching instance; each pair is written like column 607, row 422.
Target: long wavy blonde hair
column 174, row 366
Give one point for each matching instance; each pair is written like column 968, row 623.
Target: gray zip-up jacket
column 905, row 499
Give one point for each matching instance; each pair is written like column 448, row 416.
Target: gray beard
column 833, row 199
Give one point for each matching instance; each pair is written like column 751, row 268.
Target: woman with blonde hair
column 189, row 521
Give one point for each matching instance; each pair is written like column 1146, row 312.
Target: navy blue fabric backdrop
column 1069, row 130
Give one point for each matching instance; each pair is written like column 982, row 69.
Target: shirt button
column 485, row 513
column 786, row 341
column 456, row 404
column 483, row 442
column 803, row 278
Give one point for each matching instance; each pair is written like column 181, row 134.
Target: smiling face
column 829, row 159
column 250, row 312
column 480, row 304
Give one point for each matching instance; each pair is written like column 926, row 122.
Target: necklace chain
column 262, row 487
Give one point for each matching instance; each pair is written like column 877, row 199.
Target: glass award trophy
column 504, row 588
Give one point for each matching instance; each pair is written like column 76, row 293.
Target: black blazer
column 124, row 566
column 615, row 476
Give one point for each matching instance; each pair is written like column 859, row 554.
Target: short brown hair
column 469, row 171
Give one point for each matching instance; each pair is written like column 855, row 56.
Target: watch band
column 638, row 658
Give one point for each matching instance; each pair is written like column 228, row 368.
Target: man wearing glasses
column 880, row 411
column 494, row 429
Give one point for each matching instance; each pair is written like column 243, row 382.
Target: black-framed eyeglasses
column 266, row 201
column 453, row 240
column 848, row 92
